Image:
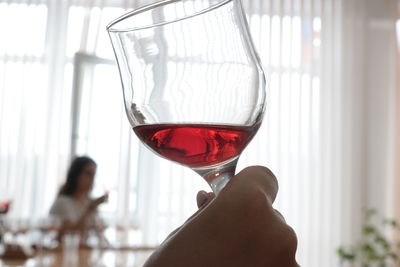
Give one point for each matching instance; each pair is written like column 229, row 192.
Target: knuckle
column 260, row 175
column 289, row 242
column 255, row 205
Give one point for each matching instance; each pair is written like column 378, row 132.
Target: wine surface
column 196, row 145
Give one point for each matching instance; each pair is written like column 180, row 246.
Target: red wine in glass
column 196, row 145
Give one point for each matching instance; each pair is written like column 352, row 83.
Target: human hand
column 98, row 201
column 239, row 227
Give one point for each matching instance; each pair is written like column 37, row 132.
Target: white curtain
column 396, row 184
column 329, row 132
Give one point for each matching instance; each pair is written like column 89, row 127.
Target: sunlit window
column 288, row 47
column 85, row 80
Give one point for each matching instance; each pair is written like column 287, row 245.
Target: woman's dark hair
column 75, row 170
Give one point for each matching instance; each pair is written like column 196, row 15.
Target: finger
column 280, row 215
column 210, row 196
column 201, row 198
column 261, row 177
column 171, row 234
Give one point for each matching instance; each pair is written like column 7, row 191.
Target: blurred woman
column 73, row 206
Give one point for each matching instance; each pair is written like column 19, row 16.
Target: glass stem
column 218, row 176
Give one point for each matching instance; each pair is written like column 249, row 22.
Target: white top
column 67, row 209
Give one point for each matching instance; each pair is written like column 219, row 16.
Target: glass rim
column 153, row 6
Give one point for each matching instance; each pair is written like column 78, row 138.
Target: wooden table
column 86, row 257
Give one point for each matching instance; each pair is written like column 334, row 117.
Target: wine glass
column 193, row 85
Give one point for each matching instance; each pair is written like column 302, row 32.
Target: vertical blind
column 288, row 36
column 319, row 135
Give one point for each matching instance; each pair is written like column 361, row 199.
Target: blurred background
column 331, row 132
